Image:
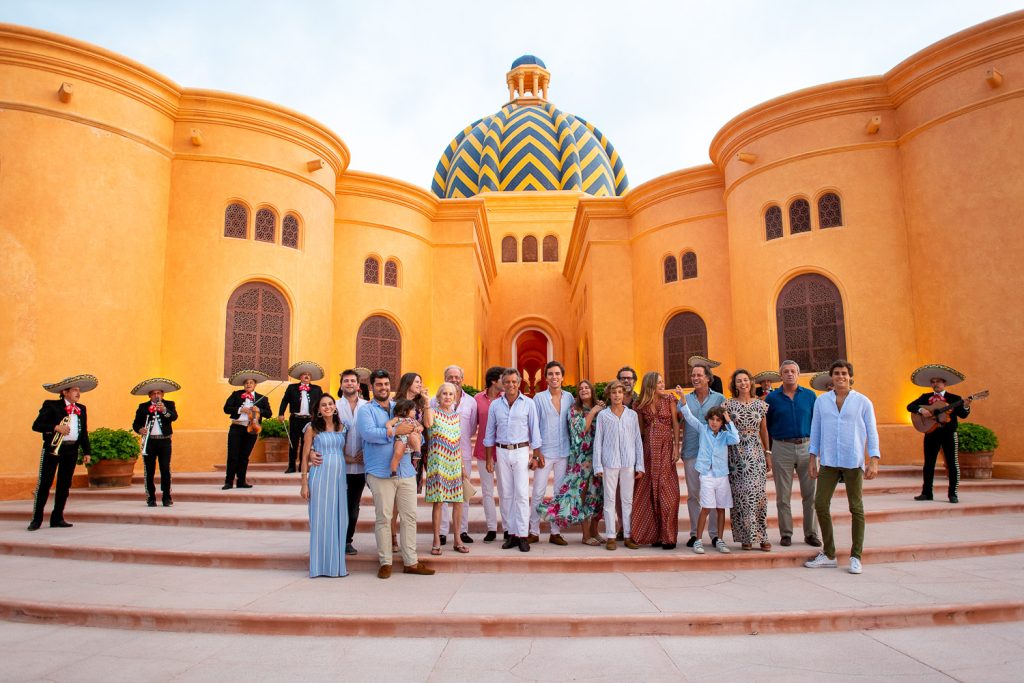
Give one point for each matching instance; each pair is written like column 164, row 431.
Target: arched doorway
column 531, row 351
column 379, row 345
column 685, row 335
column 257, row 330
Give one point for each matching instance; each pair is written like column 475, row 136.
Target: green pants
column 828, row 478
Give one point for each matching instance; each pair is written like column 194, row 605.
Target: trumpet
column 149, row 427
column 58, row 438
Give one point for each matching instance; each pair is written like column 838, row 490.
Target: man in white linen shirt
column 842, row 428
column 553, row 406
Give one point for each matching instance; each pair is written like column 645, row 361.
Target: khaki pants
column 787, row 457
column 386, row 494
column 828, row 478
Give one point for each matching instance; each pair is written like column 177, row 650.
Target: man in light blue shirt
column 700, row 401
column 553, row 415
column 513, row 431
column 842, row 429
column 378, row 447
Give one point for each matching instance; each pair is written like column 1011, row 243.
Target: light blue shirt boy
column 713, row 449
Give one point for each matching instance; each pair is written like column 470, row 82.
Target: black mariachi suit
column 158, row 450
column 293, row 400
column 63, row 464
column 240, row 441
column 945, row 438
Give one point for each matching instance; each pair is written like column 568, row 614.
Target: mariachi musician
column 301, row 398
column 247, row 409
column 938, row 377
column 65, row 431
column 764, row 381
column 152, row 422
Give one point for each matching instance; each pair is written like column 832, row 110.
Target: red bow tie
column 153, row 408
column 303, row 387
column 72, row 408
column 936, row 397
column 248, row 397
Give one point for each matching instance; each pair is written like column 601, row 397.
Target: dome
column 529, row 59
column 529, row 146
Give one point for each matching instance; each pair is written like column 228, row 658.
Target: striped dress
column 328, row 507
column 444, row 459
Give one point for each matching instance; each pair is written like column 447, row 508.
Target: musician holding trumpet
column 65, row 430
column 247, row 409
column 153, row 420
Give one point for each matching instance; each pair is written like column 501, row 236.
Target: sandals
column 436, row 550
column 460, row 549
column 592, row 541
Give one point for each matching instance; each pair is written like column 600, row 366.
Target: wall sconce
column 994, row 78
column 65, row 92
column 314, row 165
column 747, row 157
column 196, row 136
column 873, row 126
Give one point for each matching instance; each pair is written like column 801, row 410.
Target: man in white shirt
column 553, row 406
column 355, row 471
column 842, row 428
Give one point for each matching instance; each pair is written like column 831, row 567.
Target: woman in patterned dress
column 579, row 499
column 748, row 466
column 326, row 489
column 444, row 465
column 656, row 496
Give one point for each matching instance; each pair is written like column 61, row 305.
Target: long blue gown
column 328, row 510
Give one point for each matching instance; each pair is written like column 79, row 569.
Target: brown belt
column 512, row 446
column 802, row 439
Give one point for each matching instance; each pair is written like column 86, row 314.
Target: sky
column 398, row 80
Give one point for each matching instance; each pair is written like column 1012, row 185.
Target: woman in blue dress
column 326, row 490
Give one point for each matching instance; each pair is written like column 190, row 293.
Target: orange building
column 151, row 229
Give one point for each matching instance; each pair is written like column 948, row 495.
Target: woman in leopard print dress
column 748, row 465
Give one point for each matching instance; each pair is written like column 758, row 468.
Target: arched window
column 773, row 223
column 509, row 250
column 236, row 221
column 391, row 273
column 799, row 216
column 550, row 247
column 266, row 225
column 685, row 335
column 830, row 211
column 809, row 316
column 379, row 345
column 256, row 331
column 529, row 249
column 689, row 265
column 671, row 269
column 290, row 231
column 371, row 271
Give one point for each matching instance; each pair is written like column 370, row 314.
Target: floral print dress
column 580, row 496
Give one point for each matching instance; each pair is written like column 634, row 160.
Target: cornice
column 588, row 209
column 672, row 185
column 383, row 188
column 236, row 161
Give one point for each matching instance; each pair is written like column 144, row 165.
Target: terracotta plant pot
column 975, row 465
column 276, row 449
column 107, row 474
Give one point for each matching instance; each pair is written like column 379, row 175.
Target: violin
column 254, row 419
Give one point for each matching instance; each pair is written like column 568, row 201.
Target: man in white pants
column 466, row 407
column 484, row 399
column 513, row 432
column 553, row 406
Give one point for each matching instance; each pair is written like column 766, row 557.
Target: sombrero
column 767, row 376
column 83, row 382
column 820, row 381
column 238, row 379
column 361, row 370
column 701, row 360
column 156, row 383
column 315, row 370
column 923, row 375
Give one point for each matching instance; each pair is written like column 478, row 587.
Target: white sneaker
column 698, row 547
column 722, row 547
column 820, row 560
column 855, row 566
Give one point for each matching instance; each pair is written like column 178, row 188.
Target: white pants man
column 513, row 470
column 618, row 483
column 486, row 491
column 540, row 486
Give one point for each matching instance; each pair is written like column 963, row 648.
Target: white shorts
column 715, row 492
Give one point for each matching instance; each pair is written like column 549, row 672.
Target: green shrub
column 470, row 389
column 974, row 438
column 274, row 428
column 113, row 444
column 599, row 388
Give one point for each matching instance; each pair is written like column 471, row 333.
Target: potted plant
column 275, row 440
column 114, row 452
column 975, row 453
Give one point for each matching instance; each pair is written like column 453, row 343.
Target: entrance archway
column 531, row 351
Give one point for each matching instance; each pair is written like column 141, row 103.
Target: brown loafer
column 384, row 572
column 532, row 538
column 786, row 541
column 610, row 544
column 630, row 544
column 812, row 540
column 558, row 540
column 766, row 546
column 419, row 568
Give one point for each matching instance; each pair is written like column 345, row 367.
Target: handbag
column 468, row 490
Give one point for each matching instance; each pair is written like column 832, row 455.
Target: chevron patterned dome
column 529, row 145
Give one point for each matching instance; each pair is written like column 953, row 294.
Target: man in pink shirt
column 483, row 405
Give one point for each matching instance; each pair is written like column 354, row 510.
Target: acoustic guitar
column 940, row 413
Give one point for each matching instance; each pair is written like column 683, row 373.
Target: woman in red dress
column 656, row 496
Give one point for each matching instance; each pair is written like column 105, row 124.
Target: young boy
column 405, row 411
column 713, row 465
